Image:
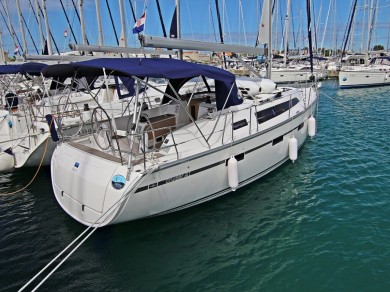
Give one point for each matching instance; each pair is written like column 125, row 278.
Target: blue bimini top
column 177, row 71
column 25, row 68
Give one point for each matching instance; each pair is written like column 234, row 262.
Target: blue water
column 319, row 224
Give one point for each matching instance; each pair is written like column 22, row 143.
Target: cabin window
column 300, row 126
column 269, row 113
column 240, row 124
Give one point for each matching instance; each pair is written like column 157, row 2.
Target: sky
column 239, row 19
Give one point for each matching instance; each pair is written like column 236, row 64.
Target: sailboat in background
column 375, row 72
column 24, row 137
column 286, row 72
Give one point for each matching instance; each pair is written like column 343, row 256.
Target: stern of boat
column 88, row 187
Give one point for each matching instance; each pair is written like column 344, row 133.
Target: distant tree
column 378, row 48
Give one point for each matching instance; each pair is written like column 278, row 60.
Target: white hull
column 291, row 76
column 363, row 78
column 22, row 144
column 82, row 183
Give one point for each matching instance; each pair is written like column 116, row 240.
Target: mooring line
column 93, row 226
column 36, row 173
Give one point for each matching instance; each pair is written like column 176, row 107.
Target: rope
column 36, row 173
column 93, row 226
column 335, row 101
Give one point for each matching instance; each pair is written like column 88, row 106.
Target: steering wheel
column 102, row 128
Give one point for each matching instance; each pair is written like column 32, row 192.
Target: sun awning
column 171, row 69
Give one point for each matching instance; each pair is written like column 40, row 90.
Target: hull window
column 269, row 113
column 240, row 124
column 277, row 140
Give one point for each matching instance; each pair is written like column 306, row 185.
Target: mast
column 326, row 26
column 220, row 30
column 286, row 32
column 11, row 28
column 180, row 54
column 25, row 50
column 2, row 58
column 369, row 29
column 38, row 17
column 82, row 23
column 269, row 61
column 99, row 22
column 349, row 29
column 48, row 40
column 309, row 36
column 123, row 22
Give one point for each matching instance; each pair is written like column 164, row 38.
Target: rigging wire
column 29, row 32
column 67, row 19
column 11, row 32
column 112, row 22
column 51, row 35
column 132, row 11
column 189, row 18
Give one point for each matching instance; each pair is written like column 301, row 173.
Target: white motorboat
column 192, row 148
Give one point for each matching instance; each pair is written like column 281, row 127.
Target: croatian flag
column 65, row 33
column 16, row 50
column 140, row 24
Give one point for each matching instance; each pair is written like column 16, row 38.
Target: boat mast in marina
column 38, row 18
column 48, row 39
column 82, row 23
column 99, row 23
column 25, row 49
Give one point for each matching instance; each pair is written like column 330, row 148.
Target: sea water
column 319, row 224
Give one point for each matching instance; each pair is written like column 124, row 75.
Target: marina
column 318, row 223
column 148, row 157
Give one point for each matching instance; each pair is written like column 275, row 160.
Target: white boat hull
column 171, row 187
column 363, row 78
column 292, row 76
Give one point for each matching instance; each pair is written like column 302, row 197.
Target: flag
column 16, row 50
column 140, row 24
column 65, row 33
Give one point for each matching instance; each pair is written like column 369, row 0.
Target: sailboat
column 148, row 164
column 24, row 138
column 368, row 73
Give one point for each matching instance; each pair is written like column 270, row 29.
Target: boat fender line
column 85, row 234
column 311, row 126
column 52, row 128
column 233, row 173
column 35, row 175
column 293, row 149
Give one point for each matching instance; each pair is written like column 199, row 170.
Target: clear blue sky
column 240, row 21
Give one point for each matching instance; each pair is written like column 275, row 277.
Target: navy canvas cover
column 171, row 69
column 30, row 68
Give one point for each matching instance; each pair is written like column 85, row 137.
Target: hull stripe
column 163, row 182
